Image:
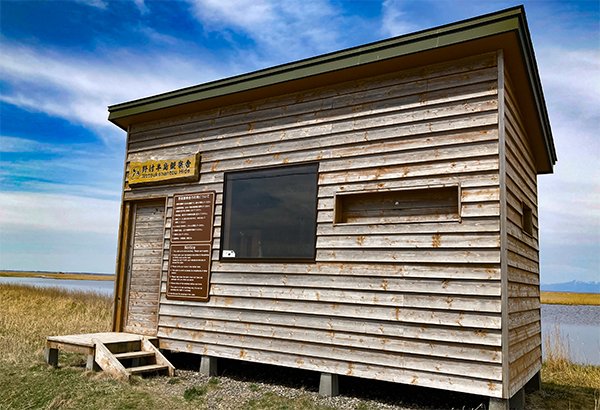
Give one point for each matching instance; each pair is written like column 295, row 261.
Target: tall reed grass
column 30, row 314
column 559, row 372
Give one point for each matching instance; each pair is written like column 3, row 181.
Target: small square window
column 270, row 214
column 527, row 220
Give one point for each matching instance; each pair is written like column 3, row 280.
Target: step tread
column 147, row 368
column 133, row 355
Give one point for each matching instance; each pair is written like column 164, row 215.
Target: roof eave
column 391, row 48
column 461, row 33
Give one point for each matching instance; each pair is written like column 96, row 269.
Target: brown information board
column 189, row 271
column 192, row 217
column 190, row 251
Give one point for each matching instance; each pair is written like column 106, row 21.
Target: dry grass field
column 30, row 314
column 564, row 298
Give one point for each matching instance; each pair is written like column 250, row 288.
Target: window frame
column 337, row 207
column 311, row 259
column 527, row 226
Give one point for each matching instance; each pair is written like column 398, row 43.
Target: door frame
column 122, row 279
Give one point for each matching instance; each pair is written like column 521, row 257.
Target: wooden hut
column 370, row 212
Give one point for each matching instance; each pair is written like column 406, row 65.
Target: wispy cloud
column 80, row 87
column 100, row 4
column 396, row 21
column 286, row 29
column 16, row 144
column 58, row 212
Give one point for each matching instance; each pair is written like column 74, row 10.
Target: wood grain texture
column 524, row 327
column 145, row 270
column 416, row 300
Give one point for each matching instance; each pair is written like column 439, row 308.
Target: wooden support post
column 51, row 356
column 329, row 386
column 534, row 384
column 208, row 366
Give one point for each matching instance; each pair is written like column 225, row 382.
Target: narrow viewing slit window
column 407, row 205
column 270, row 214
column 527, row 221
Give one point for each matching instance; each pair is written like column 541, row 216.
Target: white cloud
column 395, row 21
column 100, row 4
column 80, row 87
column 30, row 210
column 16, row 144
column 141, row 5
column 284, row 29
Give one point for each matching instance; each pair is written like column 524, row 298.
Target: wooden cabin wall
column 524, row 318
column 415, row 303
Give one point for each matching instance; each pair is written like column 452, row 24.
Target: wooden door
column 144, row 268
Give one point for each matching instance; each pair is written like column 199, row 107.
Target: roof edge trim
column 477, row 27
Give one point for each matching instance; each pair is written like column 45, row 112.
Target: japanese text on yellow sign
column 160, row 170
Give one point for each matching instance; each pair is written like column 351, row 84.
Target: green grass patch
column 195, row 392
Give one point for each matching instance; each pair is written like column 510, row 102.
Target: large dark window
column 270, row 213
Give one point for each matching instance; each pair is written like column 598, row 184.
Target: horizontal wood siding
column 145, row 269
column 415, row 302
column 524, row 321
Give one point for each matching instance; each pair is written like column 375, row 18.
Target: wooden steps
column 122, row 360
column 133, row 355
column 149, row 368
column 119, row 354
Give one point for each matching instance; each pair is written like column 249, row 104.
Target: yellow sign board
column 164, row 170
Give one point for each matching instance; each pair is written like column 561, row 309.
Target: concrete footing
column 51, row 356
column 516, row 402
column 208, row 366
column 329, row 386
column 534, row 384
column 91, row 364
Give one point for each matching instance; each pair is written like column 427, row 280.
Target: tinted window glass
column 270, row 213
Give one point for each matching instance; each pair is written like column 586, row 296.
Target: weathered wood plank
column 472, row 336
column 393, row 374
column 437, row 240
column 407, row 314
column 356, row 340
column 347, row 354
column 473, row 255
column 391, row 284
column 467, row 180
column 383, row 298
column 281, row 109
column 467, row 225
column 444, row 271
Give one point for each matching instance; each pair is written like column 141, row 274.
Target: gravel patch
column 256, row 386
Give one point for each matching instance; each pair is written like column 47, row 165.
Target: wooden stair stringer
column 148, row 346
column 108, row 362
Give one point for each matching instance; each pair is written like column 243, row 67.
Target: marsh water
column 577, row 326
column 105, row 287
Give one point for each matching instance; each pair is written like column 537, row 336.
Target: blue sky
column 63, row 63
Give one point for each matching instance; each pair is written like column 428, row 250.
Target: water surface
column 578, row 327
column 104, row 287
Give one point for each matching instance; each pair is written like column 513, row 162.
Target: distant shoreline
column 546, row 297
column 56, row 275
column 568, row 298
